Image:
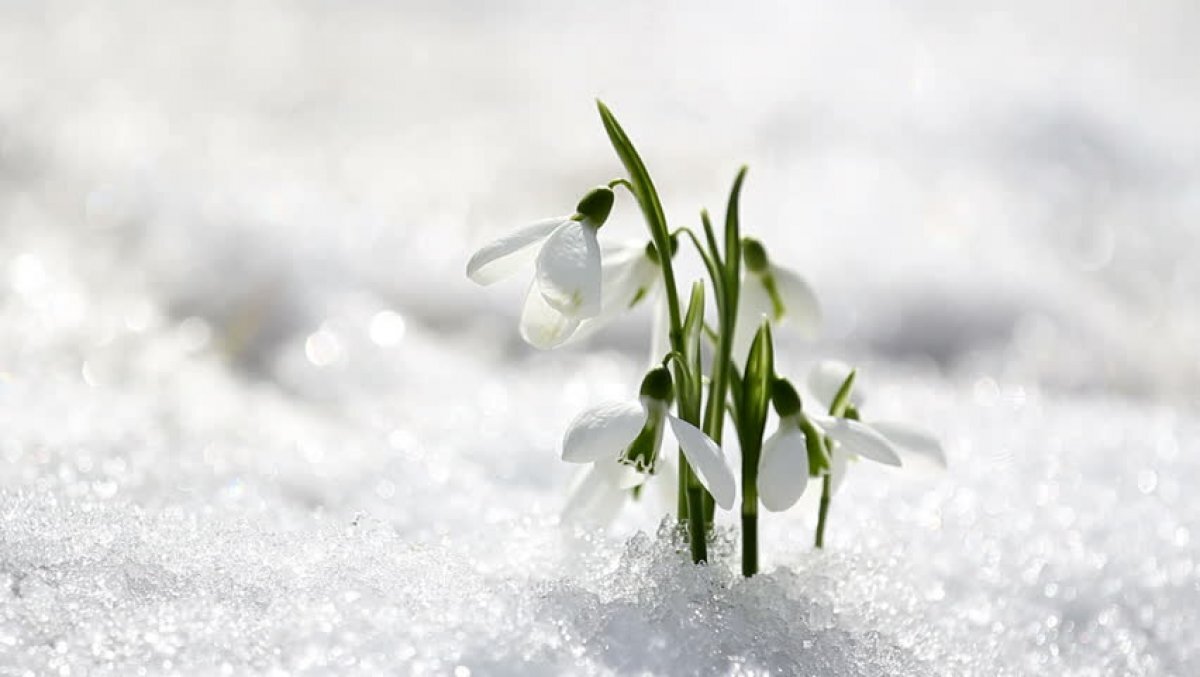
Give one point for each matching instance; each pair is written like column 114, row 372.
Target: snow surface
column 253, row 419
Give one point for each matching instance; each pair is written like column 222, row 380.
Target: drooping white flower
column 567, row 284
column 824, row 381
column 786, row 461
column 602, row 488
column 598, row 493
column 773, row 292
column 631, row 433
column 630, row 275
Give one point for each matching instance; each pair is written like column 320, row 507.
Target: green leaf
column 643, row 187
column 736, row 395
column 842, row 399
column 756, row 384
column 712, row 266
column 693, row 326
column 814, row 442
column 733, row 236
column 711, row 237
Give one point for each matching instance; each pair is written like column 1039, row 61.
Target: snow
column 254, row 420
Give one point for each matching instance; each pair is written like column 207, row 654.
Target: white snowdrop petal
column 568, row 270
column 593, row 499
column 602, row 432
column 753, row 306
column 912, row 439
column 706, row 460
column 801, row 308
column 860, row 439
column 663, row 486
column 660, row 342
column 542, row 326
column 826, row 378
column 625, row 283
column 623, row 274
column 502, row 257
column 838, row 464
column 782, row 469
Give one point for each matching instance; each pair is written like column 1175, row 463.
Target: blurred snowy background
column 253, row 418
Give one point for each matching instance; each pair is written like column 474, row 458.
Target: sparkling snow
column 254, row 420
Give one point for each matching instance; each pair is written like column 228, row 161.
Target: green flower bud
column 785, row 398
column 595, row 206
column 652, row 251
column 755, row 255
column 657, row 385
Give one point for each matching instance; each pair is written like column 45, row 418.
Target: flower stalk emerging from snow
column 580, row 285
column 630, row 434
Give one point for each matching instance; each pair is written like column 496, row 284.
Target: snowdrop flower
column 794, row 451
column 566, row 287
column 773, row 292
column 629, row 435
column 601, row 489
column 827, row 377
column 599, row 492
column 630, row 274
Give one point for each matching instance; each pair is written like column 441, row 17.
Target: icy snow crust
column 253, row 420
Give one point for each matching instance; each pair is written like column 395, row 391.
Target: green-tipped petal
column 801, row 309
column 826, row 378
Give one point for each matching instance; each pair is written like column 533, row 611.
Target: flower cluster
column 579, row 285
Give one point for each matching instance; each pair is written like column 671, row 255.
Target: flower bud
column 652, row 251
column 595, row 206
column 657, row 385
column 785, row 398
column 755, row 255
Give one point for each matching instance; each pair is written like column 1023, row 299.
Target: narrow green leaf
column 815, row 443
column 736, row 396
column 756, row 384
column 842, row 399
column 711, row 237
column 647, row 195
column 693, row 326
column 733, row 231
column 713, row 267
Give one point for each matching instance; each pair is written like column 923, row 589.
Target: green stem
column 681, row 504
column 749, row 524
column 838, row 408
column 647, row 197
column 695, row 495
column 749, row 543
column 823, row 509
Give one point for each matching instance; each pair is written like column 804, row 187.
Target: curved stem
column 711, row 264
column 838, row 408
column 622, row 182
